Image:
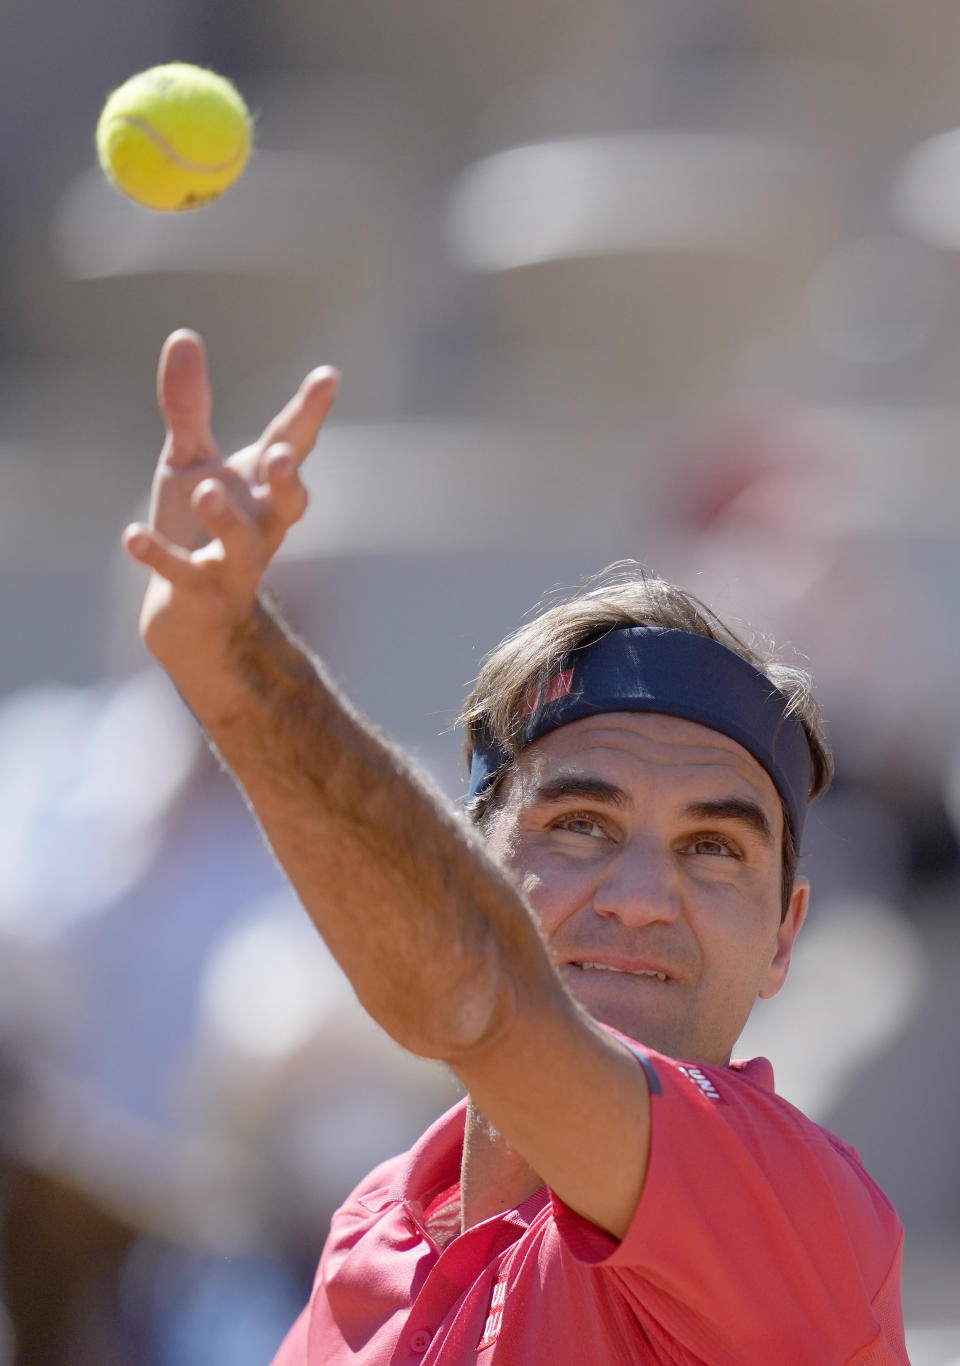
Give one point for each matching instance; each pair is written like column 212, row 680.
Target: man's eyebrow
column 580, row 787
column 740, row 809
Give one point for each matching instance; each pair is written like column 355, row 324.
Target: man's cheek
column 531, row 884
column 553, row 894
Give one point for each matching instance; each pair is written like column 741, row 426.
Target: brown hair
column 624, row 595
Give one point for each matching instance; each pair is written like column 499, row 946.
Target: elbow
column 479, row 1020
column 463, row 1020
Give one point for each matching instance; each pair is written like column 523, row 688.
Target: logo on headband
column 538, row 695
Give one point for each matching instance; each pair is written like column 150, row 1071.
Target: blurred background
column 668, row 280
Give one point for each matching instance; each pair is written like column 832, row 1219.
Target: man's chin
column 662, row 1015
column 635, row 1006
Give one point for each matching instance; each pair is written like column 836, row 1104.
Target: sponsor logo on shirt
column 703, row 1083
column 491, row 1329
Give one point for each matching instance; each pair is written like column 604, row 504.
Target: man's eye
column 713, row 845
column 580, row 825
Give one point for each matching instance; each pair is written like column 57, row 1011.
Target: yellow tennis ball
column 174, row 137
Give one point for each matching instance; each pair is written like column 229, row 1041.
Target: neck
column 493, row 1177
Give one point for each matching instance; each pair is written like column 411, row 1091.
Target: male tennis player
column 583, row 957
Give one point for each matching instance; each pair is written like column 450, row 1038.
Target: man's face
column 649, row 844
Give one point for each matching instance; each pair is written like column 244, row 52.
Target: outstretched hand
column 215, row 524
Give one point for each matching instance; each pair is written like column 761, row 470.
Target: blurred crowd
column 670, row 281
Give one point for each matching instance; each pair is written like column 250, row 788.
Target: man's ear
column 786, row 938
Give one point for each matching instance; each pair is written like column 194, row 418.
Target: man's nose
column 639, row 885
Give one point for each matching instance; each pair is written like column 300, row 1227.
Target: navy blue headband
column 677, row 673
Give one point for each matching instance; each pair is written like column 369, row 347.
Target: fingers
column 244, row 544
column 155, row 552
column 233, row 553
column 286, row 496
column 299, row 422
column 183, row 391
column 241, row 543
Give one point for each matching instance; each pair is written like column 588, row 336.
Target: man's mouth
column 586, row 965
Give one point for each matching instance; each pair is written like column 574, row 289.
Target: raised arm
column 439, row 945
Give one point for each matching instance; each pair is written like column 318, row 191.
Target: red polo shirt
column 759, row 1239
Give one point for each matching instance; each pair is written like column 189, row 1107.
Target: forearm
column 430, row 932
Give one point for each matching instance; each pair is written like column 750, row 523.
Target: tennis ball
column 174, row 137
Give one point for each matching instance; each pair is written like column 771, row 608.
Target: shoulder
column 756, row 1226
column 727, row 1149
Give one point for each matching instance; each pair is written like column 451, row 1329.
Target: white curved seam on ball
column 183, row 162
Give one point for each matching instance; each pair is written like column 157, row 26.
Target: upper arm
column 571, row 1100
